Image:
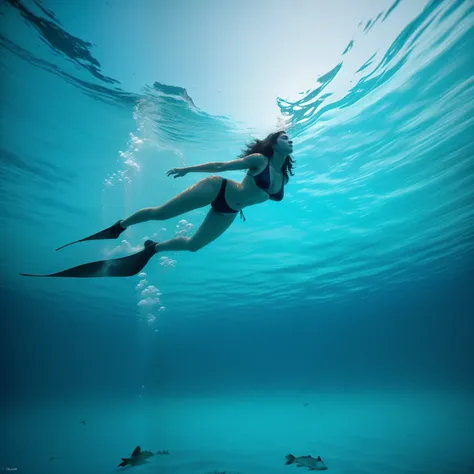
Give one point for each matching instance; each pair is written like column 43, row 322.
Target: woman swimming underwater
column 268, row 164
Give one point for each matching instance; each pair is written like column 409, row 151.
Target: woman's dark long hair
column 265, row 147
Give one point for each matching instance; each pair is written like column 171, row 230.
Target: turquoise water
column 337, row 322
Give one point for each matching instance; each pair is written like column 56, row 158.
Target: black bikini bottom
column 220, row 204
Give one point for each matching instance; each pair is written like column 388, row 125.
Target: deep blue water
column 337, row 322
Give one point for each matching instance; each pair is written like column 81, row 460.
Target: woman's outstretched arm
column 247, row 162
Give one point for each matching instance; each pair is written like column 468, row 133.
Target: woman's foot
column 150, row 242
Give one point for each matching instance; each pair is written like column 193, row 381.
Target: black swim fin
column 112, row 232
column 116, row 267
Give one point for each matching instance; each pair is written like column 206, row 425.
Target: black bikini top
column 262, row 180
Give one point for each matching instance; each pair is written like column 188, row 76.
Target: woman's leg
column 199, row 195
column 213, row 226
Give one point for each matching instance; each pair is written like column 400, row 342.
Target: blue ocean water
column 337, row 322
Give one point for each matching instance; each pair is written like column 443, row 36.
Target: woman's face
column 283, row 144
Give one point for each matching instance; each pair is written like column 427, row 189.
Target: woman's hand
column 177, row 172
